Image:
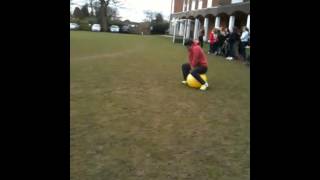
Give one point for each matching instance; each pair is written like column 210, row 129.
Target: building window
column 200, row 4
column 193, row 5
column 236, row 1
column 209, row 3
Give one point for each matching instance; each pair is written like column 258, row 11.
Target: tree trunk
column 91, row 6
column 103, row 15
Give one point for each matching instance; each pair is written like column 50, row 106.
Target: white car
column 114, row 28
column 74, row 26
column 96, row 27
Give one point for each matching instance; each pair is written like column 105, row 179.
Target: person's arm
column 209, row 38
column 189, row 58
column 244, row 36
column 195, row 57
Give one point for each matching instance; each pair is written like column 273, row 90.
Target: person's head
column 201, row 32
column 196, row 41
column 235, row 30
column 188, row 43
column 216, row 30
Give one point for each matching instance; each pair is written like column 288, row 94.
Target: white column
column 188, row 29
column 200, row 4
column 188, row 5
column 193, row 5
column 209, row 3
column 196, row 28
column 217, row 22
column 184, row 30
column 177, row 27
column 172, row 6
column 184, row 1
column 181, row 28
column 236, row 1
column 206, row 26
column 248, row 21
column 231, row 23
column 171, row 27
column 174, row 31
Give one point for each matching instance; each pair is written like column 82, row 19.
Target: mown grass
column 131, row 118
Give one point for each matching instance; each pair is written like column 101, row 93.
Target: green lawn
column 131, row 118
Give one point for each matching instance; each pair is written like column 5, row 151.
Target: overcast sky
column 134, row 9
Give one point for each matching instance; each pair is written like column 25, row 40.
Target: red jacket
column 197, row 56
column 211, row 38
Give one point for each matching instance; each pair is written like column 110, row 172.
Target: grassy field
column 132, row 119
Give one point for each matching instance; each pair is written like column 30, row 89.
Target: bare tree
column 72, row 3
column 150, row 15
column 159, row 18
column 77, row 13
column 103, row 12
column 84, row 11
column 91, row 6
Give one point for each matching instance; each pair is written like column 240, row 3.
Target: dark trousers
column 232, row 50
column 201, row 41
column 211, row 48
column 195, row 72
column 243, row 49
column 215, row 47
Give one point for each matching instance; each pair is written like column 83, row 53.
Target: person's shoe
column 184, row 82
column 204, row 87
column 229, row 58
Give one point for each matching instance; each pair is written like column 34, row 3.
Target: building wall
column 197, row 3
column 215, row 3
column 210, row 25
column 224, row 2
column 204, row 3
column 225, row 10
column 190, row 4
column 240, row 12
column 178, row 4
column 224, row 21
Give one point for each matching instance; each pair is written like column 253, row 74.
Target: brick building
column 189, row 16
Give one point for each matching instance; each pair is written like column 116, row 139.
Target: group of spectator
column 231, row 45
